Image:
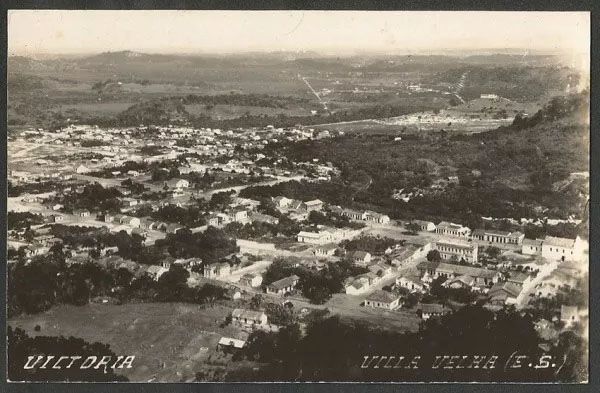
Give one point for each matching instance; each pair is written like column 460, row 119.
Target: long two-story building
column 451, row 229
column 498, row 237
column 456, row 249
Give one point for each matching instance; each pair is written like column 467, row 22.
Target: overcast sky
column 66, row 32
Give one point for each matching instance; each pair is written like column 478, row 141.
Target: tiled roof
column 381, row 296
column 559, row 242
column 284, row 282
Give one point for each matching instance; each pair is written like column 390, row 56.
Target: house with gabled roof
column 430, row 310
column 177, row 184
column 251, row 280
column 248, row 318
column 357, row 285
column 451, row 229
column 283, row 286
column 315, row 204
column 562, row 249
column 412, row 283
column 504, row 293
column 282, row 202
column 424, row 226
column 374, row 217
column 361, row 258
column 325, row 250
column 382, row 299
column 519, row 278
column 216, row 270
column 230, row 343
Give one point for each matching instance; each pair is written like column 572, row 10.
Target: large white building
column 457, row 249
column 451, row 229
column 561, row 249
column 556, row 248
column 498, row 237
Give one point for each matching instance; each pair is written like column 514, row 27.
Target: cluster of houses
column 297, row 209
column 282, row 202
column 247, row 321
column 500, row 288
column 550, row 247
column 367, row 216
column 237, row 214
column 363, row 283
column 325, row 235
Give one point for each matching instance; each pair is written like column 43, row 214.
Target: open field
column 349, row 308
column 171, row 342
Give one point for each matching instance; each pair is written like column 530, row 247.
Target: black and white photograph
column 297, row 196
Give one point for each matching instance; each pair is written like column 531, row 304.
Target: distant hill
column 25, row 64
column 517, row 165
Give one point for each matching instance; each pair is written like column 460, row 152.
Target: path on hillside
column 314, row 92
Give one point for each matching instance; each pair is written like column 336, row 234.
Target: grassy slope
column 170, row 341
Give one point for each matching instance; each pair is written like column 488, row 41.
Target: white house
column 248, row 318
column 133, row 222
column 358, row 285
column 382, row 299
column 251, row 280
column 375, row 217
column 82, row 213
column 413, row 284
column 239, row 215
column 314, row 205
column 215, row 270
column 178, row 183
column 425, row 226
column 325, row 250
column 281, row 201
column 561, row 249
column 432, row 310
column 283, row 286
column 82, row 169
column 56, row 218
column 362, row 258
column 128, row 202
column 314, row 237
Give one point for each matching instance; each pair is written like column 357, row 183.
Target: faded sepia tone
column 298, row 196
